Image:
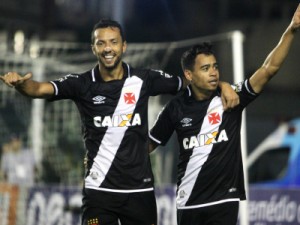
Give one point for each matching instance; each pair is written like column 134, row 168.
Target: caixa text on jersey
column 204, row 139
column 124, row 120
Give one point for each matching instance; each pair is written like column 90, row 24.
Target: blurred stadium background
column 51, row 38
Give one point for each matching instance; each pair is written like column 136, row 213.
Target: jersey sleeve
column 67, row 87
column 163, row 83
column 163, row 127
column 245, row 92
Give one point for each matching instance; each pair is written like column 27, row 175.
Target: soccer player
column 210, row 171
column 112, row 99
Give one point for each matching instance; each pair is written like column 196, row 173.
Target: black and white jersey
column 114, row 118
column 210, row 169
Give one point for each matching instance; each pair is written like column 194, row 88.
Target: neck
column 200, row 94
column 116, row 73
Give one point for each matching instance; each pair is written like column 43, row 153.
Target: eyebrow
column 105, row 40
column 205, row 65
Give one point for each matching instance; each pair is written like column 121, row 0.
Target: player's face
column 205, row 76
column 108, row 47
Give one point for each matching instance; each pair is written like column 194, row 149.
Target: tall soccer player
column 112, row 99
column 210, row 171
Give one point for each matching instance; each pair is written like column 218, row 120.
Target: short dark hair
column 189, row 56
column 104, row 23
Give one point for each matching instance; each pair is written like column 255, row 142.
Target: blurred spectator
column 17, row 163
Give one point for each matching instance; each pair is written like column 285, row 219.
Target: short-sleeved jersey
column 210, row 169
column 114, row 118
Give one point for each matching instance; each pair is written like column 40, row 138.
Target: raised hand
column 12, row 79
column 295, row 23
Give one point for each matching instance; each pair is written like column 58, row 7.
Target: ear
column 188, row 75
column 124, row 46
column 93, row 50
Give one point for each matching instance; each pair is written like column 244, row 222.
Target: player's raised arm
column 277, row 56
column 28, row 87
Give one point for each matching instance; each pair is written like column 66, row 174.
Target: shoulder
column 79, row 77
column 149, row 72
column 177, row 102
column 245, row 92
column 244, row 86
column 140, row 72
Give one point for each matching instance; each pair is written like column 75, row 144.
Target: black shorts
column 220, row 214
column 110, row 208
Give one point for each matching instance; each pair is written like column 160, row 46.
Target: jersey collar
column 190, row 97
column 95, row 73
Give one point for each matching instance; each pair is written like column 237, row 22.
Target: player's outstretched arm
column 277, row 56
column 28, row 87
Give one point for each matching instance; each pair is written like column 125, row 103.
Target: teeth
column 108, row 57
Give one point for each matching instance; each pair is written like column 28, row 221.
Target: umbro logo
column 233, row 189
column 186, row 122
column 94, row 175
column 99, row 99
column 182, row 194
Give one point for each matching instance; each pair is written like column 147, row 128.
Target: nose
column 213, row 71
column 107, row 48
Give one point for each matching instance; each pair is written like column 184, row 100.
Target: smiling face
column 108, row 47
column 204, row 76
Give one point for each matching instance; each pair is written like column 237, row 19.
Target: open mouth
column 214, row 82
column 108, row 58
